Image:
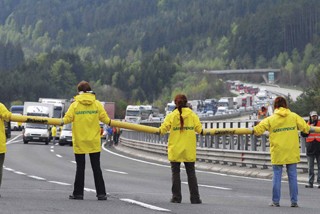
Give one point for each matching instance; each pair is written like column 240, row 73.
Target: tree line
column 145, row 51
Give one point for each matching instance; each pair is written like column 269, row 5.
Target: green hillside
column 136, row 51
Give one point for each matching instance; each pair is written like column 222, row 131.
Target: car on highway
column 36, row 133
column 66, row 135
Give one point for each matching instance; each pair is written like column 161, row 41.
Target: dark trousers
column 97, row 174
column 176, row 181
column 311, row 159
column 116, row 138
column 2, row 156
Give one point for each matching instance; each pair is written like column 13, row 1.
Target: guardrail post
column 303, row 144
column 253, row 141
column 224, row 139
column 211, row 141
column 231, row 142
column 246, row 142
column 201, row 141
column 263, row 143
column 238, row 142
column 216, row 141
column 242, row 142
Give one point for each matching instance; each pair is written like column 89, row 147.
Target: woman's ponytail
column 181, row 101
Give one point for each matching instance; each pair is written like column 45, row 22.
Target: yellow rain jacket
column 5, row 115
column 283, row 128
column 54, row 131
column 181, row 143
column 85, row 113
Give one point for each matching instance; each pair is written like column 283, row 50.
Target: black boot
column 309, row 186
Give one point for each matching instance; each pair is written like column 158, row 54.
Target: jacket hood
column 283, row 112
column 85, row 98
column 186, row 111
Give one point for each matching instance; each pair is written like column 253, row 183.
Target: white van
column 33, row 131
column 36, row 132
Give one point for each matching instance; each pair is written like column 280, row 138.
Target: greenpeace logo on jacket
column 284, row 129
column 182, row 142
column 86, row 112
column 184, row 128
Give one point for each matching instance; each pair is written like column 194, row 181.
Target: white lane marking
column 149, row 206
column 110, row 170
column 8, row 169
column 51, row 150
column 89, row 190
column 134, row 159
column 52, row 147
column 36, row 177
column 61, row 183
column 73, row 162
column 20, row 173
column 13, row 139
column 59, row 156
column 214, row 187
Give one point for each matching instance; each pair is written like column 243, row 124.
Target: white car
column 66, row 135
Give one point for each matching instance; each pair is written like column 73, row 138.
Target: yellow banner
column 35, row 119
column 133, row 126
column 227, row 131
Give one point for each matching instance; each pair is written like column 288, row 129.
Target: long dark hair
column 181, row 101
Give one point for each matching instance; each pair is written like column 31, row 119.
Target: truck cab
column 133, row 114
column 169, row 108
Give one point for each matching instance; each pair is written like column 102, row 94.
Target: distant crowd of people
column 111, row 134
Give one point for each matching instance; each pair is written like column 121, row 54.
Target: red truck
column 110, row 108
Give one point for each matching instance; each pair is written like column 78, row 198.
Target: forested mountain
column 147, row 50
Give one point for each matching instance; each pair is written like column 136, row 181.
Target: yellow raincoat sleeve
column 302, row 125
column 103, row 115
column 166, row 125
column 69, row 116
column 5, row 114
column 263, row 126
column 198, row 125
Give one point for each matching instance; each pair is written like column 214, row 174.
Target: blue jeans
column 293, row 182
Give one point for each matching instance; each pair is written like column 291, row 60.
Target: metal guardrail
column 234, row 150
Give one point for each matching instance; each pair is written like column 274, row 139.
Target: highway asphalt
column 219, row 168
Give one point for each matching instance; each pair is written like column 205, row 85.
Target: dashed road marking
column 60, row 183
column 149, row 206
column 119, row 172
column 20, row 173
column 209, row 186
column 36, row 177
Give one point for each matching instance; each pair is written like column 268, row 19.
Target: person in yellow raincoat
column 85, row 113
column 283, row 128
column 182, row 124
column 5, row 115
column 54, row 134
